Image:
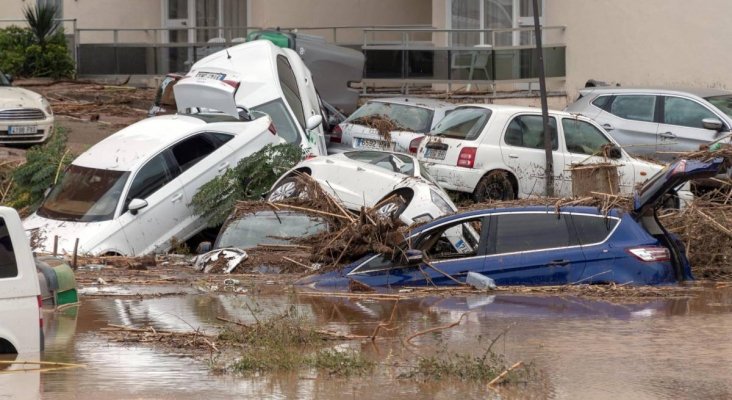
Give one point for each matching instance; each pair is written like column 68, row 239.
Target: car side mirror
column 314, row 121
column 414, row 257
column 614, row 153
column 136, row 205
column 713, row 124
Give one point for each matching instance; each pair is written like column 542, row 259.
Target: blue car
column 540, row 246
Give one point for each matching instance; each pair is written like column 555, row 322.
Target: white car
column 130, row 194
column 416, row 115
column 497, row 152
column 21, row 320
column 372, row 178
column 25, row 116
column 272, row 80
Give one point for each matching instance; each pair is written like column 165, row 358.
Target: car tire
column 494, row 186
column 288, row 188
column 391, row 207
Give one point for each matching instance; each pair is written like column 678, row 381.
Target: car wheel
column 494, row 186
column 289, row 188
column 391, row 207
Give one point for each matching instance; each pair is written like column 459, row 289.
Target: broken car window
column 411, row 118
column 456, row 240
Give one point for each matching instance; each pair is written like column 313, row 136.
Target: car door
column 592, row 232
column 532, row 248
column 631, row 120
column 681, row 127
column 522, row 150
column 150, row 228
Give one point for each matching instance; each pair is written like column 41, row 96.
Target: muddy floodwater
column 654, row 348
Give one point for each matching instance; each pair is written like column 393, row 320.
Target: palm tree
column 42, row 21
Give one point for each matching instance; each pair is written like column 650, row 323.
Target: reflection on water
column 655, row 348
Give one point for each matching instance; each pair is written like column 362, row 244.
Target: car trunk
column 365, row 138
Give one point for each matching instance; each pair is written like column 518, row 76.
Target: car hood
column 90, row 234
column 14, row 97
column 675, row 174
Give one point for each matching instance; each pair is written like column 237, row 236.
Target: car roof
column 701, row 92
column 512, row 109
column 135, row 144
column 416, row 101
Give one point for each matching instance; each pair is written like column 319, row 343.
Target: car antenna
column 228, row 56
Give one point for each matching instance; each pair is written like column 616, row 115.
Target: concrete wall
column 115, row 14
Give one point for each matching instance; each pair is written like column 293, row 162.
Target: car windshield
column 3, row 80
column 391, row 162
column 426, row 175
column 268, row 227
column 409, row 118
column 85, row 195
column 282, row 120
column 723, row 103
column 463, row 123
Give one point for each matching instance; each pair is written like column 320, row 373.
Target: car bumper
column 454, row 178
column 44, row 129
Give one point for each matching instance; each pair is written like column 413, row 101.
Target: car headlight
column 46, row 106
column 440, row 202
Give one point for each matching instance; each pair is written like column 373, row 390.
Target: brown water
column 584, row 349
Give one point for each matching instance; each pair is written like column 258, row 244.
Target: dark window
column 151, row 177
column 635, row 107
column 190, row 151
column 463, row 123
column 593, row 229
column 530, row 231
column 218, row 138
column 582, row 137
column 453, row 241
column 8, row 265
column 288, row 81
column 685, row 112
column 285, row 126
column 603, row 102
column 528, row 131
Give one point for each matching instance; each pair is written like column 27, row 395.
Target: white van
column 21, row 320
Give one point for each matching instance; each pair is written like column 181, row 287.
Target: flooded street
column 656, row 348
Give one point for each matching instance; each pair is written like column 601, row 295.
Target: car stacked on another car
column 659, row 123
column 25, row 116
column 497, row 152
column 413, row 116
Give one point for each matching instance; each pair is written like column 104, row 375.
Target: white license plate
column 376, row 144
column 211, row 75
column 22, row 130
column 435, row 154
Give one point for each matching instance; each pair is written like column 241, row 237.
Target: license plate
column 376, row 144
column 22, row 130
column 211, row 75
column 435, row 154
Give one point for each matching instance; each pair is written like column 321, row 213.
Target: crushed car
column 25, row 116
column 539, row 245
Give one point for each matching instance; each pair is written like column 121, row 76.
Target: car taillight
column 272, row 128
column 234, row 84
column 336, row 134
column 40, row 311
column 650, row 253
column 414, row 144
column 467, row 157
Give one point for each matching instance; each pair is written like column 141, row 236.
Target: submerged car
column 268, row 227
column 413, row 116
column 658, row 122
column 25, row 116
column 540, row 245
column 131, row 193
column 396, row 184
column 496, row 152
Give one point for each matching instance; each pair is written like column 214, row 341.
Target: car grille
column 22, row 114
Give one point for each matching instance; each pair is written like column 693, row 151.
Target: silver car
column 658, row 122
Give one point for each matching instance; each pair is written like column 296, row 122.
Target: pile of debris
column 383, row 125
column 603, row 201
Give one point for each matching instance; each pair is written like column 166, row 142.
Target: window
column 635, row 107
column 593, row 229
column 453, row 241
column 492, row 14
column 530, row 231
column 463, row 123
column 390, row 162
column 288, row 81
column 270, row 228
column 190, row 151
column 8, row 264
column 282, row 120
column 58, row 4
column 603, row 102
column 685, row 112
column 723, row 103
column 528, row 131
column 582, row 137
column 151, row 177
column 409, row 118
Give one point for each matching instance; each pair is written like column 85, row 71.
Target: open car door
column 205, row 91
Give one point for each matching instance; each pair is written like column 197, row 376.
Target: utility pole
column 549, row 170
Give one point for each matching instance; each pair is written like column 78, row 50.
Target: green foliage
column 249, row 180
column 483, row 367
column 44, row 165
column 13, row 42
column 53, row 61
column 42, row 21
column 343, row 363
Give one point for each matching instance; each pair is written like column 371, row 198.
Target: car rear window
column 463, row 123
column 406, row 117
column 8, row 265
column 530, row 231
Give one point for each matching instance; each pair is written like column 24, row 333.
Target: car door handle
column 667, row 135
column 559, row 262
column 511, row 155
column 223, row 166
column 608, row 127
column 176, row 197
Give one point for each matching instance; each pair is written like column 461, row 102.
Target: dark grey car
column 658, row 122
